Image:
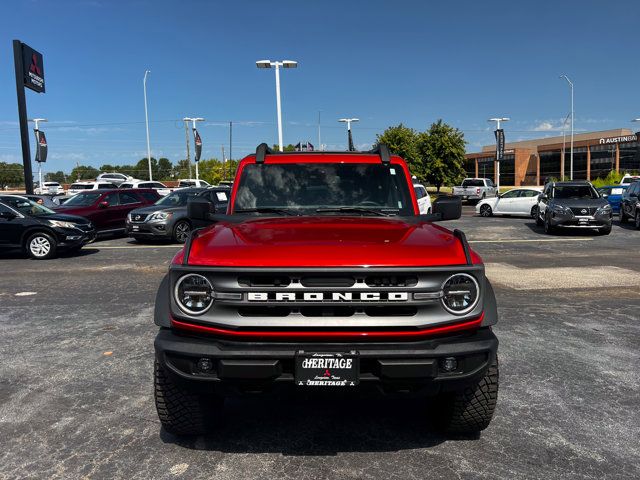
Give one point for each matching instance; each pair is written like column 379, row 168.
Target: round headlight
column 460, row 293
column 194, row 294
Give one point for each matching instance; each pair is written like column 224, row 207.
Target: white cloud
column 544, row 127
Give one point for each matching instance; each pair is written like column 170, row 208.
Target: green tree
column 142, row 169
column 165, row 169
column 402, row 141
column 287, row 148
column 441, row 150
column 84, row 172
column 58, row 176
column 11, row 174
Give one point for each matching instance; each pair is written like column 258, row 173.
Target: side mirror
column 448, row 208
column 8, row 215
column 542, row 196
column 103, row 204
column 199, row 210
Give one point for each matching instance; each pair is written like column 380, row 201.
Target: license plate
column 135, row 228
column 327, row 369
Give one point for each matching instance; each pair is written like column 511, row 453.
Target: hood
column 65, row 218
column 326, row 242
column 580, row 202
column 158, row 208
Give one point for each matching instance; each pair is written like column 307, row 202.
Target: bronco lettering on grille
column 327, row 296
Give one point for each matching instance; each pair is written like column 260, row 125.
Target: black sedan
column 630, row 204
column 40, row 231
column 167, row 218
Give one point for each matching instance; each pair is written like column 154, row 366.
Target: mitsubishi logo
column 34, row 68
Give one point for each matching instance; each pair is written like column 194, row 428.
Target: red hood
column 326, row 242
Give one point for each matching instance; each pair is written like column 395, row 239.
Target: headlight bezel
column 62, row 224
column 472, row 305
column 159, row 216
column 177, row 296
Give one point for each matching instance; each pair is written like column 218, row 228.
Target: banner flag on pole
column 198, row 143
column 41, row 146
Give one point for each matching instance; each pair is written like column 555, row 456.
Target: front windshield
column 81, row 186
column 575, row 192
column 83, row 199
column 176, row 199
column 27, row 207
column 310, row 188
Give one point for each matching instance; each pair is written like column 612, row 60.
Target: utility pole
column 223, row 164
column 36, row 129
column 572, row 115
column 230, row 140
column 146, row 119
column 186, row 137
column 319, row 136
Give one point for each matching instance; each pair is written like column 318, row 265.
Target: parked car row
column 564, row 205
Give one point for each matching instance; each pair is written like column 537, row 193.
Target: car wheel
column 623, row 216
column 539, row 220
column 637, row 220
column 548, row 228
column 471, row 410
column 181, row 231
column 181, row 411
column 605, row 230
column 41, row 246
column 534, row 211
column 485, row 210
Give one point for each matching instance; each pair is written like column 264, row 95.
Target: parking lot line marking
column 533, row 240
column 125, row 247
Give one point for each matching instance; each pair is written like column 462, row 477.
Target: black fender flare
column 162, row 310
column 490, row 305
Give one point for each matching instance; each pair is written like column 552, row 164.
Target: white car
column 192, row 182
column 116, row 178
column 519, row 201
column 629, row 179
column 159, row 187
column 424, row 200
column 84, row 186
column 49, row 188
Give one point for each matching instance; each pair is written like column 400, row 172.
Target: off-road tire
column 471, row 410
column 181, row 411
column 41, row 246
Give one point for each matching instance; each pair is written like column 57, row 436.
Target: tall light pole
column 319, row 136
column 564, row 127
column 349, row 137
column 572, row 114
column 277, row 65
column 35, row 129
column 193, row 121
column 146, row 120
column 497, row 173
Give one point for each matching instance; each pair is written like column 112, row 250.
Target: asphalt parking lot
column 77, row 354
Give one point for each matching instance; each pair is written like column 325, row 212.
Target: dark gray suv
column 574, row 204
column 167, row 218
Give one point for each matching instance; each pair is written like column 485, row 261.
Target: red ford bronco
column 323, row 275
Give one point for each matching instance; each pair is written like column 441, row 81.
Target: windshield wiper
column 281, row 211
column 383, row 212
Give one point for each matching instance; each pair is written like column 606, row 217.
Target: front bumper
column 392, row 366
column 572, row 221
column 153, row 229
column 75, row 237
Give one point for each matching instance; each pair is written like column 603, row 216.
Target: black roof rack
column 381, row 149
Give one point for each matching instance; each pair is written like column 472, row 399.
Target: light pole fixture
column 572, row 114
column 497, row 172
column 146, row 121
column 193, row 121
column 36, row 129
column 277, row 65
column 348, row 121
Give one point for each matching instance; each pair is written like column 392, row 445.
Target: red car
column 324, row 275
column 108, row 209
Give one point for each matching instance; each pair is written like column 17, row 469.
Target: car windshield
column 27, row 207
column 81, row 186
column 303, row 188
column 176, row 199
column 574, row 192
column 472, row 183
column 83, row 199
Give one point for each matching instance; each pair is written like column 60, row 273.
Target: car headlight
column 159, row 216
column 61, row 224
column 605, row 209
column 460, row 293
column 194, row 294
column 561, row 209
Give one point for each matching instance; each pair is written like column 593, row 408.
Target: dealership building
column 531, row 162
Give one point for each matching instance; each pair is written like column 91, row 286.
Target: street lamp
column 193, row 121
column 283, row 64
column 36, row 129
column 146, row 120
column 497, row 173
column 571, row 161
column 349, row 137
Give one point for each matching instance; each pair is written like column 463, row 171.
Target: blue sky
column 384, row 62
